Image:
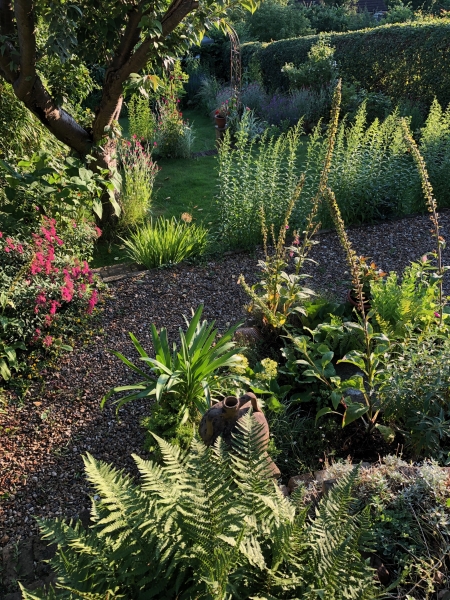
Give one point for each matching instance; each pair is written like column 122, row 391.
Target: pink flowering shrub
column 43, row 286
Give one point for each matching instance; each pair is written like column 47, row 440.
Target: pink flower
column 48, row 320
column 47, row 341
column 66, row 294
column 1, row 234
column 54, row 304
column 19, row 248
column 92, row 302
column 437, row 315
column 7, row 249
column 41, row 299
column 98, row 230
column 287, row 226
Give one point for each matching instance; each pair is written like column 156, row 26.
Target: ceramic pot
column 222, row 418
column 221, row 122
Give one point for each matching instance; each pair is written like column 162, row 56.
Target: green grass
column 184, row 185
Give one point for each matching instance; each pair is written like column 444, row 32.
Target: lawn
column 183, row 185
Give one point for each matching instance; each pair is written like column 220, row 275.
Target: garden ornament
column 221, row 420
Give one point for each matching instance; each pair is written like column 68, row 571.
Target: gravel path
column 41, row 442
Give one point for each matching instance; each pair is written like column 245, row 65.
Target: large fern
column 211, row 524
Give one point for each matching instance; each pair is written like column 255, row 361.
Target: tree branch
column 24, row 12
column 113, row 88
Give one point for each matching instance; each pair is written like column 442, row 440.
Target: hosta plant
column 212, row 524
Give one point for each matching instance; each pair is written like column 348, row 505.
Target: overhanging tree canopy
column 123, row 35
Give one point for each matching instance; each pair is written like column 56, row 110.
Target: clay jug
column 221, row 420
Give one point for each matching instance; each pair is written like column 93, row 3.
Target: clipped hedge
column 402, row 60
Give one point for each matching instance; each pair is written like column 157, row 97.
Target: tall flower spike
column 431, row 205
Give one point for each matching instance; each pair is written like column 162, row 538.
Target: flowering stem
column 432, row 208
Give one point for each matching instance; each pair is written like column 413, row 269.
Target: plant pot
column 355, row 303
column 221, row 122
column 222, row 419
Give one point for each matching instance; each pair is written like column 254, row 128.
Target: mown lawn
column 183, row 185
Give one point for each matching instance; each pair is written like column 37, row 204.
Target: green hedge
column 403, row 60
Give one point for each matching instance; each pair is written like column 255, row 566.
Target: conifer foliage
column 211, row 524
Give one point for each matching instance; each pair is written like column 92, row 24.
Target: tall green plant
column 141, row 120
column 279, row 295
column 252, row 177
column 163, row 242
column 187, row 373
column 138, row 176
column 210, row 524
column 432, row 209
column 371, row 174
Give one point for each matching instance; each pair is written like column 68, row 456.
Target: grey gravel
column 41, row 467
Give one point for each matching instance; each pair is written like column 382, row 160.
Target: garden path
column 42, row 439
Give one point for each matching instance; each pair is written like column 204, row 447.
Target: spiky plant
column 432, row 209
column 211, row 524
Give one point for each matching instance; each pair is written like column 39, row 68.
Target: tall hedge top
column 409, row 59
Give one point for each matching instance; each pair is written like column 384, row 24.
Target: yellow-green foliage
column 210, row 524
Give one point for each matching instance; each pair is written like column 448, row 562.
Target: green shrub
column 163, row 242
column 138, row 176
column 318, row 71
column 413, row 302
column 416, row 396
column 408, row 60
column 210, row 524
column 252, row 177
column 183, row 380
column 371, row 174
column 141, row 120
column 273, row 21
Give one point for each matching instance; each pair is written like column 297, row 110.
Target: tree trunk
column 105, row 149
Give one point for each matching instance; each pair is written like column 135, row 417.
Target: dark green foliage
column 416, row 396
column 210, row 524
column 410, row 60
column 273, row 21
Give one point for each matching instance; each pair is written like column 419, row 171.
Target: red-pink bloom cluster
column 92, row 302
column 11, row 245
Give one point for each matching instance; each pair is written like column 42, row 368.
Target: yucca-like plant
column 210, row 524
column 186, row 373
column 164, row 242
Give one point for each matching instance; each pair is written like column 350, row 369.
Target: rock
column 320, row 475
column 297, row 480
column 284, row 490
column 327, row 484
column 444, row 595
column 4, row 540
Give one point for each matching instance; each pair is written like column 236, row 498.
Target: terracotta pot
column 221, row 122
column 222, row 418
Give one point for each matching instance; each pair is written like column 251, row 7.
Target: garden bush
column 43, row 288
column 407, row 60
column 251, row 177
column 182, row 381
column 163, row 242
column 275, row 21
column 211, row 523
column 138, row 176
